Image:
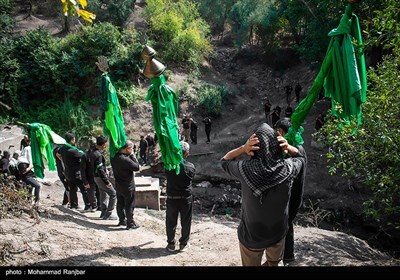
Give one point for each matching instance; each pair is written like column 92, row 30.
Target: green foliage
column 251, row 19
column 116, row 11
column 210, row 98
column 216, row 13
column 9, row 73
column 127, row 94
column 66, row 116
column 385, row 28
column 369, row 153
column 6, row 20
column 179, row 31
column 37, row 56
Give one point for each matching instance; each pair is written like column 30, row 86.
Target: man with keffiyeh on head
column 266, row 179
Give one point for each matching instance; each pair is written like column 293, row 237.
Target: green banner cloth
column 113, row 121
column 165, row 107
column 42, row 137
column 343, row 75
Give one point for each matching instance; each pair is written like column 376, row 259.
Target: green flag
column 342, row 73
column 165, row 107
column 42, row 137
column 113, row 125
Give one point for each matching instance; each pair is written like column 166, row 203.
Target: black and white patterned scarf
column 266, row 168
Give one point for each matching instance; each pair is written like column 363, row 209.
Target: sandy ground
column 63, row 237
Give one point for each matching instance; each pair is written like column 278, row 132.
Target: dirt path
column 69, row 238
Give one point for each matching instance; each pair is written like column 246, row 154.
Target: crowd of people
column 272, row 183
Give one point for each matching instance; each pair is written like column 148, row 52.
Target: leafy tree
column 216, row 13
column 114, row 11
column 179, row 31
column 72, row 7
column 369, row 153
column 6, row 20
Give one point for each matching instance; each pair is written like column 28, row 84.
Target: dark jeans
column 184, row 208
column 125, row 207
column 32, row 183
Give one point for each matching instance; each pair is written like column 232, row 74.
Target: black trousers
column 193, row 136
column 184, row 208
column 74, row 184
column 208, row 131
column 125, row 207
column 296, row 199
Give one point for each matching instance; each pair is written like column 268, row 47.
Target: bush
column 179, row 31
column 211, row 98
column 127, row 94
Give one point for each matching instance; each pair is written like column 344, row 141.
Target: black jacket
column 123, row 167
column 98, row 165
column 181, row 184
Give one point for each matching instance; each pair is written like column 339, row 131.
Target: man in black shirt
column 297, row 91
column 124, row 163
column 179, row 201
column 102, row 179
column 71, row 158
column 61, row 176
column 207, row 125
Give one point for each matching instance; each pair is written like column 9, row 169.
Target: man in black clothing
column 193, row 131
column 288, row 90
column 4, row 162
column 87, row 173
column 143, row 147
column 61, row 176
column 267, row 109
column 124, row 163
column 207, row 123
column 179, row 201
column 71, row 157
column 102, row 179
column 297, row 91
column 296, row 193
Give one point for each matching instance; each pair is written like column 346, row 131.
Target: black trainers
column 122, row 223
column 134, row 226
column 183, row 247
column 170, row 248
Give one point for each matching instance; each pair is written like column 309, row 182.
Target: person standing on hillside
column 267, row 109
column 71, row 158
column 297, row 91
column 124, row 164
column 143, row 147
column 87, row 173
column 102, row 179
column 266, row 179
column 179, row 201
column 61, row 176
column 193, row 131
column 207, row 124
column 288, row 90
column 296, row 193
column 186, row 127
